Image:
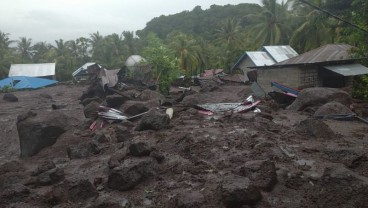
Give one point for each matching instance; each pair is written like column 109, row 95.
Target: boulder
column 318, row 96
column 39, row 131
column 49, row 177
column 238, row 191
column 332, row 108
column 315, row 128
column 10, row 97
column 74, row 191
column 153, row 120
column 122, row 133
column 87, row 101
column 139, row 149
column 83, row 150
column 90, row 110
column 191, row 199
column 135, row 108
column 150, row 95
column 130, row 173
column 44, row 166
column 262, row 173
column 115, row 101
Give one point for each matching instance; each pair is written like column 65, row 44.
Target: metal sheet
column 260, row 58
column 348, row 69
column 32, row 70
column 82, row 68
column 280, row 53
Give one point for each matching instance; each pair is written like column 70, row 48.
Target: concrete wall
column 287, row 76
column 243, row 66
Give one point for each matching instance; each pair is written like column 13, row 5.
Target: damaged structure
column 43, row 70
column 330, row 65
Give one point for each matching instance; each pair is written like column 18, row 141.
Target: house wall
column 243, row 66
column 289, row 76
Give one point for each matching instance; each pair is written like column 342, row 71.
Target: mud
column 228, row 160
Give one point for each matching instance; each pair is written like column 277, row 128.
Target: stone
column 122, row 133
column 15, row 193
column 153, row 120
column 332, row 108
column 238, row 191
column 111, row 202
column 262, row 173
column 116, row 158
column 73, row 191
column 191, row 199
column 115, row 101
column 39, row 131
column 44, row 166
column 87, row 101
column 50, row 177
column 150, row 95
column 90, row 110
column 135, row 108
column 318, row 96
column 139, row 149
column 83, row 150
column 102, row 137
column 315, row 128
column 130, row 173
column 57, row 106
column 10, row 97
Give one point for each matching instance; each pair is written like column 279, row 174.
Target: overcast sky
column 48, row 20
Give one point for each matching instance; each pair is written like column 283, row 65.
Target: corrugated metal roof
column 348, row 69
column 330, row 52
column 32, row 70
column 260, row 58
column 82, row 68
column 280, row 53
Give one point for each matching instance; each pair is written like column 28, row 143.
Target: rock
column 90, row 110
column 102, row 137
column 332, row 108
column 153, row 120
column 150, row 95
column 15, row 193
column 87, row 101
column 132, row 172
column 135, row 108
column 115, row 101
column 75, row 191
column 111, row 202
column 83, row 150
column 190, row 200
column 10, row 97
column 47, row 96
column 39, row 131
column 315, row 128
column 122, row 134
column 57, row 106
column 44, row 166
column 11, row 166
column 49, row 177
column 157, row 155
column 139, row 149
column 116, row 158
column 262, row 173
column 238, row 191
column 318, row 96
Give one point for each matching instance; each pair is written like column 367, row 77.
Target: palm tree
column 269, row 26
column 186, row 51
column 315, row 28
column 24, row 47
column 41, row 51
column 129, row 41
column 61, row 48
column 4, row 40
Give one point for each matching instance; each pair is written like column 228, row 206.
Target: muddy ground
column 257, row 160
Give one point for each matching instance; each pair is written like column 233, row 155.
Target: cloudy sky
column 48, row 20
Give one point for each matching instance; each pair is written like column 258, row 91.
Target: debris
column 110, row 114
column 257, row 90
column 288, row 90
column 170, row 112
column 249, row 104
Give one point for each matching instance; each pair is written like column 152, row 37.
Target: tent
column 23, row 82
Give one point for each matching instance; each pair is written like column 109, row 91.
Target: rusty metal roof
column 326, row 53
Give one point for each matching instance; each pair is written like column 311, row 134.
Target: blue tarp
column 23, row 82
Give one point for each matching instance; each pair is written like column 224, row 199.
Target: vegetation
column 192, row 41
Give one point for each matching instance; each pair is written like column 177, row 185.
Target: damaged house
column 330, row 65
column 44, row 70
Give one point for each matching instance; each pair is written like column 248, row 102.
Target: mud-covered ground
column 257, row 160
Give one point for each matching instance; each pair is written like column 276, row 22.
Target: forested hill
column 199, row 22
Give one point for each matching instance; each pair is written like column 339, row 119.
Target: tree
column 24, row 48
column 269, row 26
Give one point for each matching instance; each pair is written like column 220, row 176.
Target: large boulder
column 332, row 108
column 153, row 120
column 132, row 172
column 315, row 128
column 312, row 97
column 136, row 107
column 83, row 150
column 115, row 101
column 150, row 95
column 238, row 191
column 262, row 173
column 37, row 131
column 10, row 97
column 90, row 110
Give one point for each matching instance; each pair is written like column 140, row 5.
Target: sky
column 49, row 20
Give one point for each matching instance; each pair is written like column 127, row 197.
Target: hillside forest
column 192, row 41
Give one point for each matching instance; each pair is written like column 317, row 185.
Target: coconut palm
column 24, row 48
column 269, row 26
